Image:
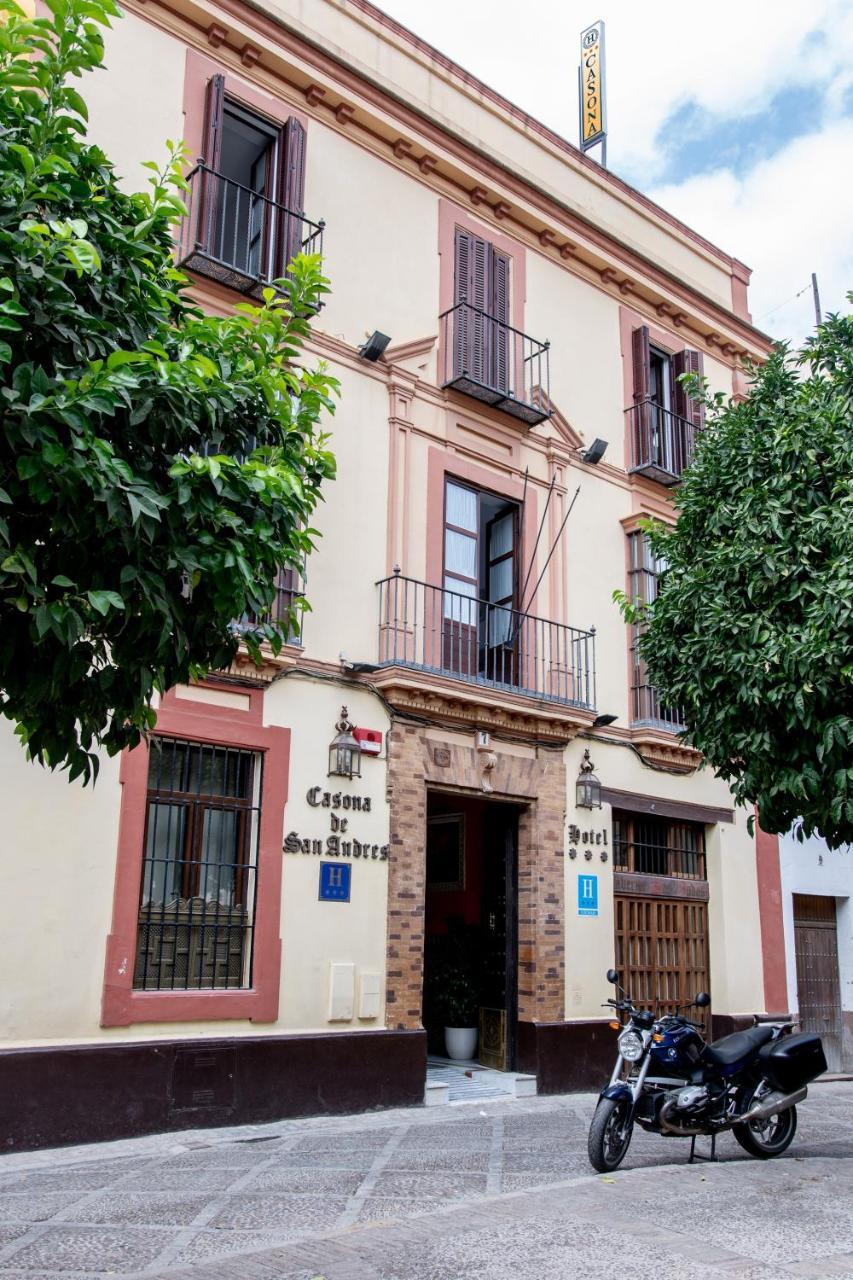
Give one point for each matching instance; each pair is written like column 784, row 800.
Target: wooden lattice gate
column 662, row 952
column 818, row 989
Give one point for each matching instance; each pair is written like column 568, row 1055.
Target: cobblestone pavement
column 498, row 1191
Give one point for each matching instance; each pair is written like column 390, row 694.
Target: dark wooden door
column 818, row 988
column 499, row 927
column 500, row 625
column 662, row 952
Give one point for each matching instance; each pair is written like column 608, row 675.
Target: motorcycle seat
column 740, row 1044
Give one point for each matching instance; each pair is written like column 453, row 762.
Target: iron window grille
column 199, row 875
column 658, row 846
column 643, row 574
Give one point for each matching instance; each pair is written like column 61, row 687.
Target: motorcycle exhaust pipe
column 772, row 1105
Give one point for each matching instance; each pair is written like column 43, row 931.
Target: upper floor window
column 197, row 897
column 644, row 570
column 484, row 355
column 246, row 198
column 663, row 419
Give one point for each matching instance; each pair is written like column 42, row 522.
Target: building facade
column 231, row 929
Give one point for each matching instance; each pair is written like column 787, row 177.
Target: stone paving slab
column 491, row 1191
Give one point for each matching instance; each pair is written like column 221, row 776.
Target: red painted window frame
column 123, row 1006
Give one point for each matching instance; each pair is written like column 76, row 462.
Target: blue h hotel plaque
column 335, row 878
column 587, row 895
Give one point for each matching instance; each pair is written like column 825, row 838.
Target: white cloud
column 787, row 217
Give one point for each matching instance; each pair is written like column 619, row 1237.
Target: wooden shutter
column 214, row 104
column 499, row 338
column 690, row 413
column 292, row 188
column 642, row 363
column 471, row 285
column 209, row 196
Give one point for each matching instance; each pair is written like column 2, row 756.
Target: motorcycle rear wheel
column 610, row 1134
column 764, row 1139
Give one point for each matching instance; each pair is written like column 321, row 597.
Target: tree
column 157, row 466
column 751, row 632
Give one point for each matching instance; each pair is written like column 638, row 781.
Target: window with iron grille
column 199, row 874
column 658, row 846
column 644, row 570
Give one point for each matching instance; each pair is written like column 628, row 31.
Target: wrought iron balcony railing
column 495, row 363
column 649, row 712
column 240, row 237
column 450, row 634
column 286, row 595
column 661, row 442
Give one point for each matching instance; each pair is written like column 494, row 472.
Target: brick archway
column 538, row 783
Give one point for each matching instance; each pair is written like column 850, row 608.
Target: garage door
column 818, row 993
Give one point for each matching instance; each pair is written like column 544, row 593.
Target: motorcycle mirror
column 702, row 1000
column 613, row 976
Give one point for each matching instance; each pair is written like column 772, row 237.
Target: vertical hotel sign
column 591, row 86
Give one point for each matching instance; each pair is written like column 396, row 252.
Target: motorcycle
column 670, row 1081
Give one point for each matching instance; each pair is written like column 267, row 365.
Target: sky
column 737, row 117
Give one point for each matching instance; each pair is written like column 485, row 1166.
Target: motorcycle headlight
column 630, row 1046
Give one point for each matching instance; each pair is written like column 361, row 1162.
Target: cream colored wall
column 56, row 890
column 737, row 978
column 136, row 103
column 350, row 555
column 318, row 934
column 380, row 247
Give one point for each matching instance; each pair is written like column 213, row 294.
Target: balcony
column 649, row 712
column 240, row 237
column 449, row 634
column 495, row 364
column 661, row 442
column 286, row 595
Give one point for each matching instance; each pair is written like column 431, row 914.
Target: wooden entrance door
column 662, row 952
column 818, row 989
column 499, row 930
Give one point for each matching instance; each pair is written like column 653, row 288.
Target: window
column 658, row 846
column 246, row 200
column 288, row 592
column 663, row 418
column 197, row 898
column 480, row 584
column 643, row 573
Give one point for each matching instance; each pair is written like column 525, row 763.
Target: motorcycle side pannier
column 793, row 1061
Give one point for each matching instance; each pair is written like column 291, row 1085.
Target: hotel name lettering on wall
column 588, row 840
column 341, row 843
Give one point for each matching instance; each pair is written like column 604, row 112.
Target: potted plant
column 459, row 1007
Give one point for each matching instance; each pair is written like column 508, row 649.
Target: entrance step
column 525, row 1086
column 449, row 1081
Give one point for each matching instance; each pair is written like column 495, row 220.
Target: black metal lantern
column 587, row 787
column 344, row 751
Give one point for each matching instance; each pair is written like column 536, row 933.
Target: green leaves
column 751, row 632
column 157, row 466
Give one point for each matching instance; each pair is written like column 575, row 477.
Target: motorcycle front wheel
column 764, row 1139
column 610, row 1134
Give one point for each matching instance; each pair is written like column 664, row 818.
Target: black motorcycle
column 668, row 1080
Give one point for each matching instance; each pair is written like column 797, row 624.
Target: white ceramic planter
column 461, row 1043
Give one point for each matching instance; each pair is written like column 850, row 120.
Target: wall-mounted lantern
column 587, row 787
column 344, row 751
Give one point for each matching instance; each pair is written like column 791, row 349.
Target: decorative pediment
column 558, row 421
column 413, row 355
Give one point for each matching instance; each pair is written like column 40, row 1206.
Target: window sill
column 122, row 1007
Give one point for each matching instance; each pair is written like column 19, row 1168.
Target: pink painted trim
column 451, row 216
column 121, row 1006
column 199, row 69
column 771, row 920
